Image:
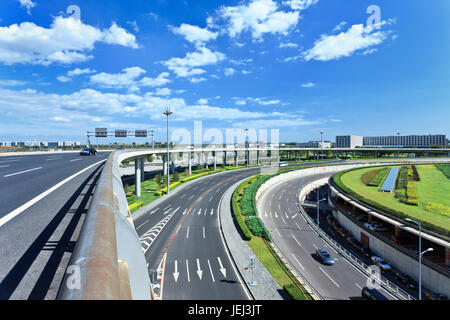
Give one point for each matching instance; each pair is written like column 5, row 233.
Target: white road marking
column 142, row 224
column 293, row 217
column 5, row 166
column 315, row 246
column 187, row 269
column 296, row 240
column 184, row 195
column 210, row 270
column 212, row 211
column 154, row 211
column 199, row 211
column 204, row 233
column 191, row 197
column 25, row 206
column 3, row 161
column 298, row 262
column 271, row 214
column 199, row 271
column 76, row 160
column 283, row 220
column 185, row 211
column 17, row 173
column 187, row 233
column 210, row 199
column 51, row 159
column 329, row 277
column 222, row 269
column 176, row 273
column 298, row 226
column 358, row 286
column 278, row 232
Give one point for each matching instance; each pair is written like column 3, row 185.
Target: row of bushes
column 438, row 208
column 257, row 228
column 400, row 215
column 240, row 219
column 368, row 176
column 134, row 206
column 406, row 191
column 444, row 168
column 379, row 178
column 415, row 173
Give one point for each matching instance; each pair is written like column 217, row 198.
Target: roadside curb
column 266, row 288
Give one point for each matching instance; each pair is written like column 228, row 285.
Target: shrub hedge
column 379, row 178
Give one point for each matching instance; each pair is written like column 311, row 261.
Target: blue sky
column 301, row 66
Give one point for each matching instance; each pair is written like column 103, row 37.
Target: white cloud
column 300, row 4
column 78, row 72
column 60, row 119
column 202, row 101
column 307, row 85
column 68, row 40
column 63, row 79
column 229, row 71
column 288, row 45
column 163, row 92
column 188, row 66
column 246, row 72
column 27, row 4
column 274, row 123
column 160, row 80
column 258, row 17
column 344, row 44
column 195, row 34
column 124, row 79
column 119, row 36
column 269, row 102
column 197, row 80
column 340, row 26
column 12, row 83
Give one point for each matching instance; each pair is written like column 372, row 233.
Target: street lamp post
column 153, row 139
column 318, row 206
column 398, row 143
column 167, row 113
column 420, row 254
column 247, row 145
column 321, row 143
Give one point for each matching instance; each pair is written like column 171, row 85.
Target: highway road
column 298, row 242
column 43, row 199
column 183, row 231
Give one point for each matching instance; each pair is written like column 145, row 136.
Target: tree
column 159, row 181
column 176, row 177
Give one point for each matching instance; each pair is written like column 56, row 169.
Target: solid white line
column 210, row 270
column 50, row 159
column 187, row 269
column 298, row 262
column 296, row 240
column 278, row 232
column 315, row 246
column 187, row 234
column 204, row 233
column 298, row 226
column 329, row 277
column 76, row 160
column 5, row 166
column 358, row 286
column 25, row 206
column 14, row 174
column 283, row 220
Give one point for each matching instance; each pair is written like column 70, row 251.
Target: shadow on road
column 58, row 248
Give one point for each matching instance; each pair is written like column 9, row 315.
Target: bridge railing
column 108, row 262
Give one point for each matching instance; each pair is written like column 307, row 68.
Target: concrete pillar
column 190, row 162
column 215, row 160
column 225, row 158
column 142, row 163
column 257, row 157
column 173, row 164
column 137, row 176
column 447, row 256
column 236, row 158
column 205, row 156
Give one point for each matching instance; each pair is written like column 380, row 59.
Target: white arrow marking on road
column 276, row 216
column 212, row 211
column 265, row 213
column 199, row 211
column 184, row 212
column 210, row 270
column 199, row 271
column 293, row 217
column 222, row 269
column 286, row 215
column 176, row 273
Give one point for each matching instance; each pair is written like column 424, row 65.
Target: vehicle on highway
column 380, row 262
column 406, row 280
column 283, row 164
column 344, row 233
column 372, row 294
column 374, row 226
column 88, row 152
column 324, row 257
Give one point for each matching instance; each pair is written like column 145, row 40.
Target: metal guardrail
column 385, row 283
column 108, row 262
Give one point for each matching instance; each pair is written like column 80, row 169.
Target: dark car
column 324, row 257
column 88, row 152
column 406, row 280
column 372, row 294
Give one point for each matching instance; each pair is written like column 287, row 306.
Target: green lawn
column 434, row 188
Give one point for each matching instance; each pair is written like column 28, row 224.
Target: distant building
column 414, row 141
column 349, row 141
column 314, row 144
column 55, row 144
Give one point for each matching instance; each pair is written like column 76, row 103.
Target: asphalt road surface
column 43, row 200
column 298, row 242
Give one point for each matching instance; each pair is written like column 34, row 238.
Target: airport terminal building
column 413, row 141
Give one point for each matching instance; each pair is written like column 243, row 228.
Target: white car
column 380, row 262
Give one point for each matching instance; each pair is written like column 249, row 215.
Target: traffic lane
column 19, row 189
column 342, row 271
column 37, row 244
column 197, row 264
column 333, row 282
